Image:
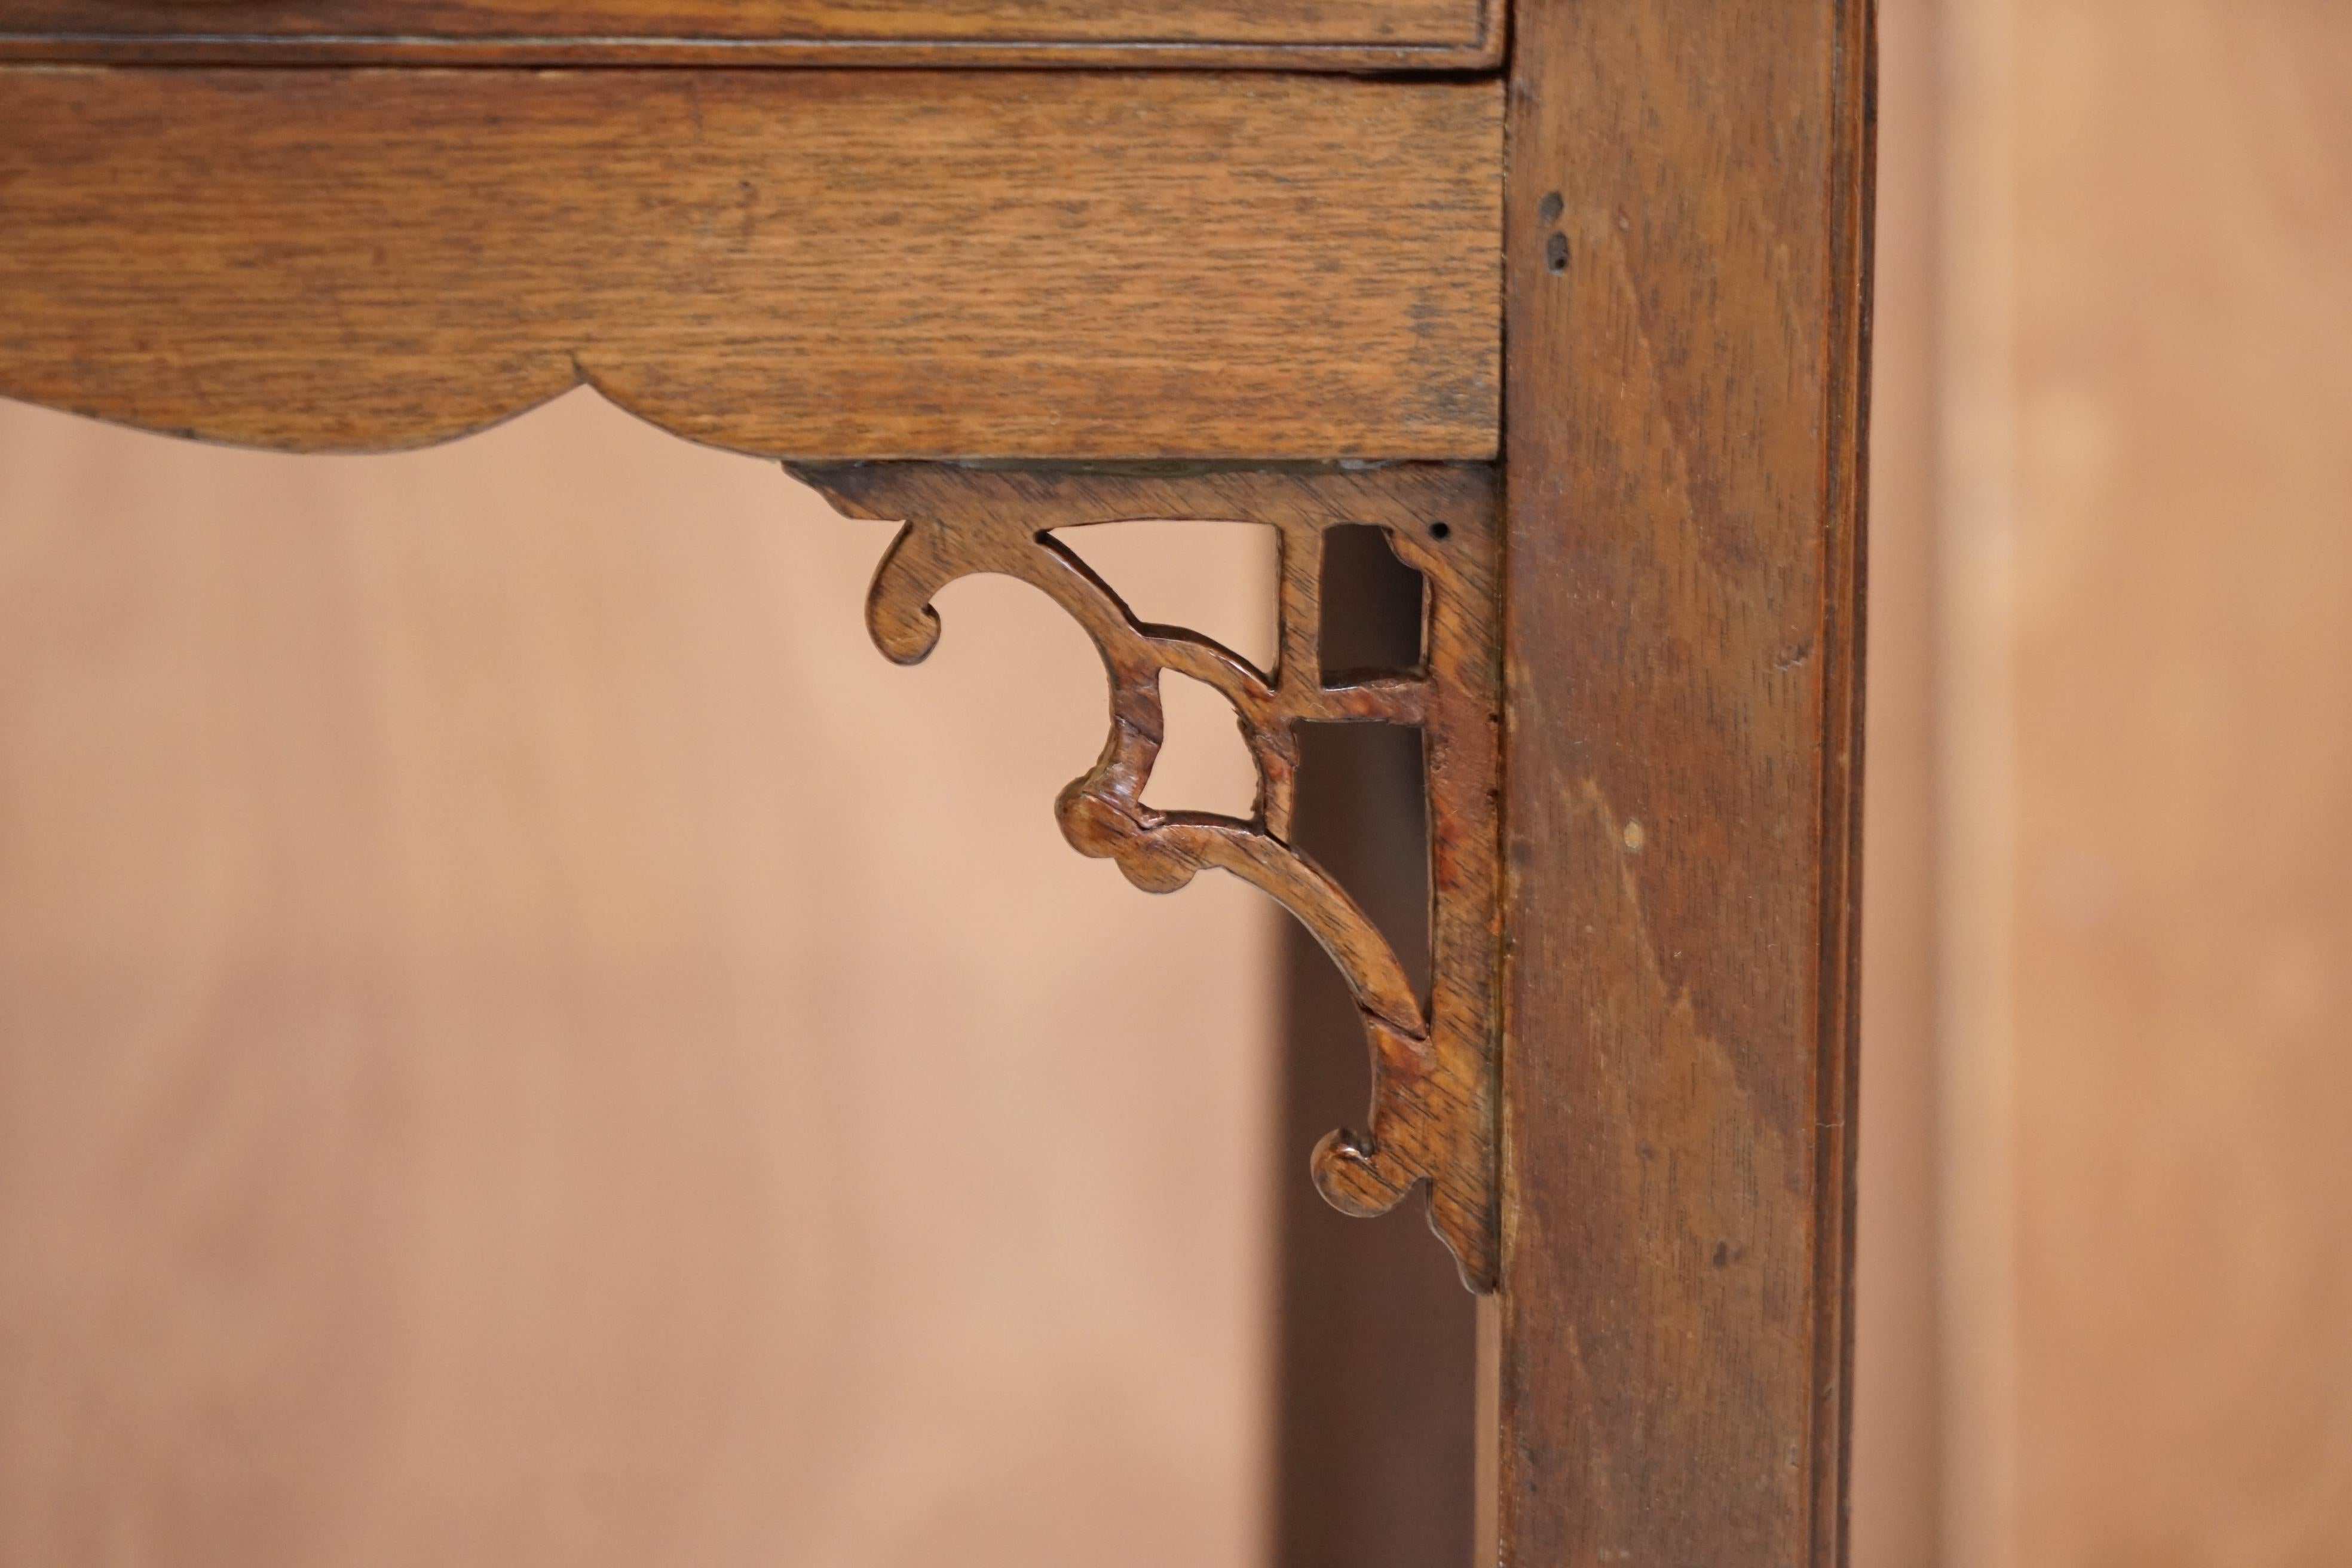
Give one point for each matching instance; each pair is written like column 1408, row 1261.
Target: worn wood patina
column 1432, row 1120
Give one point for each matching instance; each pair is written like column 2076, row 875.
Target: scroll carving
column 1432, row 1121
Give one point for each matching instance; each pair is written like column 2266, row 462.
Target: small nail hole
column 1548, row 209
column 1556, row 252
column 1441, row 531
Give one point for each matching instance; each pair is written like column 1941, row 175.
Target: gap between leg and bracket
column 1433, row 1116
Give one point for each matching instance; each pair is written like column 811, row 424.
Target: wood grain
column 1375, row 1341
column 816, row 264
column 1431, row 1124
column 1687, row 236
column 1352, row 60
column 1309, row 34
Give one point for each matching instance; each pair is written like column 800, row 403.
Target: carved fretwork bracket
column 1433, row 1120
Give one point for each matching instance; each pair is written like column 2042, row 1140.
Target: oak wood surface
column 819, row 264
column 1686, row 259
column 1349, row 35
column 1356, row 59
column 1430, row 1127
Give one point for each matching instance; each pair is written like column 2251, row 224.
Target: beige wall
column 2131, row 862
column 523, row 1039
column 1897, row 1474
column 2180, row 697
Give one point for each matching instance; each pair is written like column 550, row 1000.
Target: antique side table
column 1567, row 297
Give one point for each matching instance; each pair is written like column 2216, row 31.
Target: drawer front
column 1342, row 34
column 792, row 263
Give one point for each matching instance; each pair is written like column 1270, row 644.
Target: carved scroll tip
column 1153, row 874
column 903, row 638
column 1346, row 1172
column 1477, row 1249
column 1098, row 828
column 1478, row 1278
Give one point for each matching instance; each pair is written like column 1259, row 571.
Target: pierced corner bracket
column 1433, row 1119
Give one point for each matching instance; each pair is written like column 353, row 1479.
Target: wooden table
column 1569, row 302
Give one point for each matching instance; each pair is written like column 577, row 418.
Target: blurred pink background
column 527, row 1040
